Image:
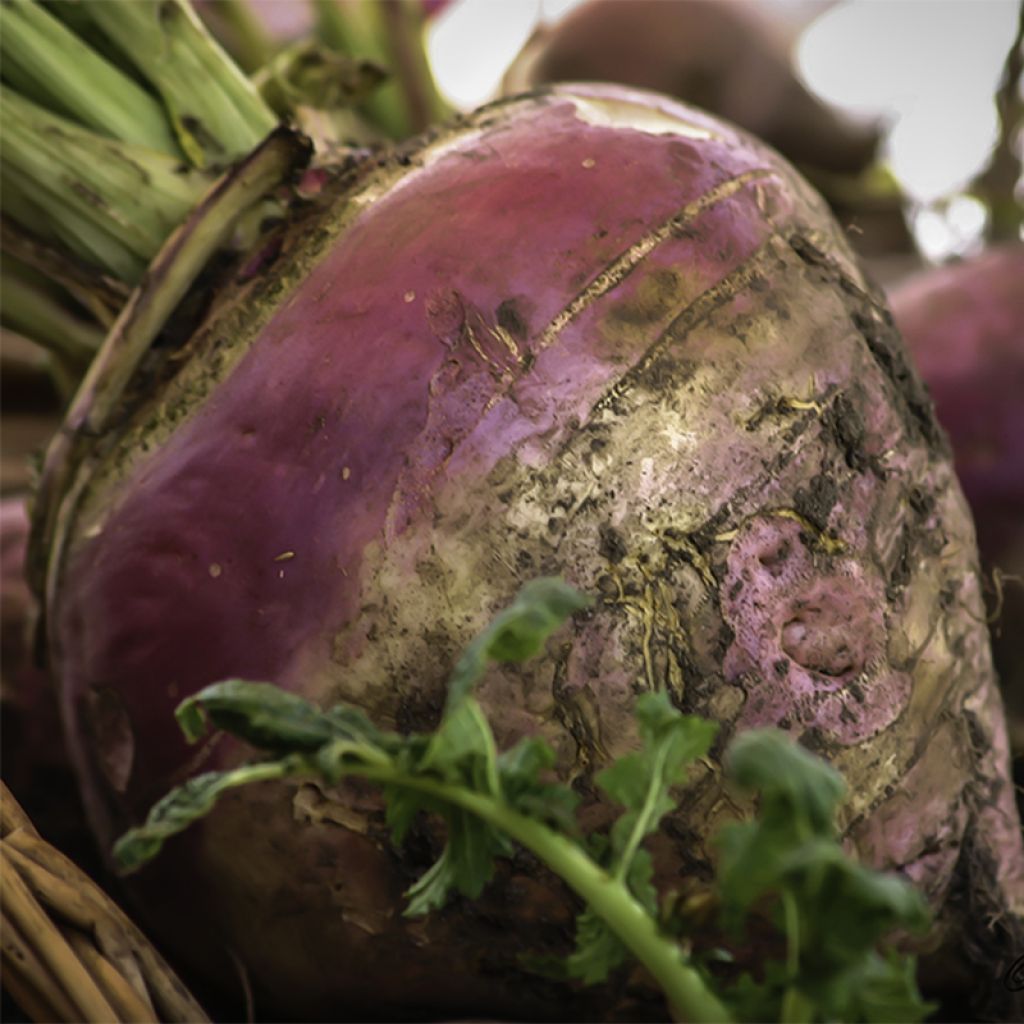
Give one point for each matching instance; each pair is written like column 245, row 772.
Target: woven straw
column 69, row 953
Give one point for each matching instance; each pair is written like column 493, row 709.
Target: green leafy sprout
column 786, row 863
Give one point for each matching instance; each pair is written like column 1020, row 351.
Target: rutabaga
column 587, row 332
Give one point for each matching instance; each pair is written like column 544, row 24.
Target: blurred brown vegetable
column 731, row 59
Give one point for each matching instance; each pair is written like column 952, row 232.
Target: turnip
column 591, row 332
column 964, row 326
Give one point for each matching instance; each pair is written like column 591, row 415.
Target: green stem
column 112, row 203
column 608, row 897
column 403, row 23
column 642, row 824
column 216, row 112
column 796, row 1008
column 241, row 33
column 391, row 35
column 46, row 61
column 33, row 310
column 101, row 295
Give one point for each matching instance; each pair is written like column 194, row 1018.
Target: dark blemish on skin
column 114, row 739
column 813, row 741
column 511, row 319
column 654, row 299
column 84, row 192
column 816, row 501
column 921, row 502
column 611, row 545
column 845, row 423
column 773, row 557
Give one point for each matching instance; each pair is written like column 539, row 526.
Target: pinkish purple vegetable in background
column 590, row 332
column 964, row 326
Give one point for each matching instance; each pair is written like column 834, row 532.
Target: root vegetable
column 964, row 326
column 590, row 332
column 733, row 60
column 730, row 59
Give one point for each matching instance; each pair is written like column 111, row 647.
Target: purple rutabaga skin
column 964, row 327
column 589, row 332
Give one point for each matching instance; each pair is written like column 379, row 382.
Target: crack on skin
column 699, row 309
column 607, row 280
column 711, row 527
column 573, row 720
column 681, row 546
column 874, row 323
column 624, row 264
column 657, row 614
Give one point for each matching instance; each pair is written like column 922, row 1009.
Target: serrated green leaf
column 351, row 722
column 671, row 741
column 519, row 772
column 262, row 714
column 885, row 990
column 793, row 783
column 432, row 889
column 642, row 781
column 640, row 881
column 402, row 805
column 751, row 862
column 517, row 633
column 466, row 864
column 189, row 802
column 847, row 908
column 598, row 950
column 836, row 910
column 798, row 796
column 463, row 749
column 758, row 999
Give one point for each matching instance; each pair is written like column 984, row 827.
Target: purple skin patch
column 964, row 326
column 812, row 639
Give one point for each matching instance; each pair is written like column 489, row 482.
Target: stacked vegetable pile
column 354, row 398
